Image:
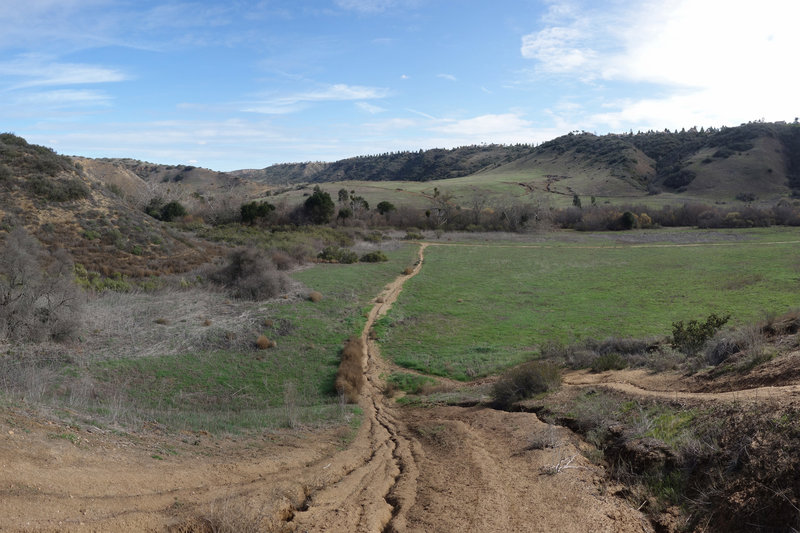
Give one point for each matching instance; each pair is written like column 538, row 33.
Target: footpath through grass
column 235, row 389
column 476, row 309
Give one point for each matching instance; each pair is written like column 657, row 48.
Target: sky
column 249, row 83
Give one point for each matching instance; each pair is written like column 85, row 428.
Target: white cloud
column 63, row 98
column 558, row 49
column 449, row 77
column 35, row 71
column 714, row 62
column 484, row 125
column 370, row 108
column 374, row 6
column 295, row 102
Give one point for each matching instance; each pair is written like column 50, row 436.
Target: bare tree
column 36, row 302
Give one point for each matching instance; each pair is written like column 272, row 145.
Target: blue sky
column 248, row 83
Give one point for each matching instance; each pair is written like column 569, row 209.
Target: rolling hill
column 90, row 208
column 760, row 160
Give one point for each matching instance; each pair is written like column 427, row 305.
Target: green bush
column 334, row 254
column 374, row 257
column 611, row 361
column 690, row 338
column 525, row 381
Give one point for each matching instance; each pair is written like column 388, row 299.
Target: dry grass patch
column 315, row 296
column 350, row 377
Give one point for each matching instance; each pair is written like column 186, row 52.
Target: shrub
column 255, row 210
column 525, row 381
column 334, row 254
column 315, row 296
column 690, row 338
column 250, row 274
column 611, row 361
column 350, row 376
column 262, row 342
column 36, row 302
column 374, row 257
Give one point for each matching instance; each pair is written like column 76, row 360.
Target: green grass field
column 477, row 309
column 233, row 390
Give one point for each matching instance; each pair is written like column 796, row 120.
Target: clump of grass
column 315, row 296
column 525, row 381
column 262, row 342
column 409, row 383
column 350, row 377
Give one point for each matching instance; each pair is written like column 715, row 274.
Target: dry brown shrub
column 262, row 342
column 162, row 321
column 282, row 260
column 207, row 322
column 408, row 271
column 268, row 322
column 350, row 377
column 315, row 296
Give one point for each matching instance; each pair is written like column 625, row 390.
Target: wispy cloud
column 370, row 108
column 35, row 71
column 64, row 98
column 374, row 6
column 449, row 77
column 294, row 102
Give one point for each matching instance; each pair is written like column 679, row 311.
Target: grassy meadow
column 214, row 378
column 477, row 308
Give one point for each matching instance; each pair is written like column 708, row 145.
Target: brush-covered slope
column 191, row 180
column 424, row 165
column 85, row 207
column 760, row 160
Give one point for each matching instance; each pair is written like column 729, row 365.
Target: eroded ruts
column 376, row 494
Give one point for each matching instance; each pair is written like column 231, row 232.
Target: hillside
column 754, row 160
column 90, row 209
column 190, row 180
column 424, row 165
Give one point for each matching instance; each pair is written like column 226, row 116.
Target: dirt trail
column 638, row 383
column 451, row 469
column 433, row 469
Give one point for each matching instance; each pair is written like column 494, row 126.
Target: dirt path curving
column 639, row 383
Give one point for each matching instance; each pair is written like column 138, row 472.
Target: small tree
column 576, row 200
column 627, row 220
column 384, row 208
column 319, row 207
column 344, row 196
column 252, row 211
